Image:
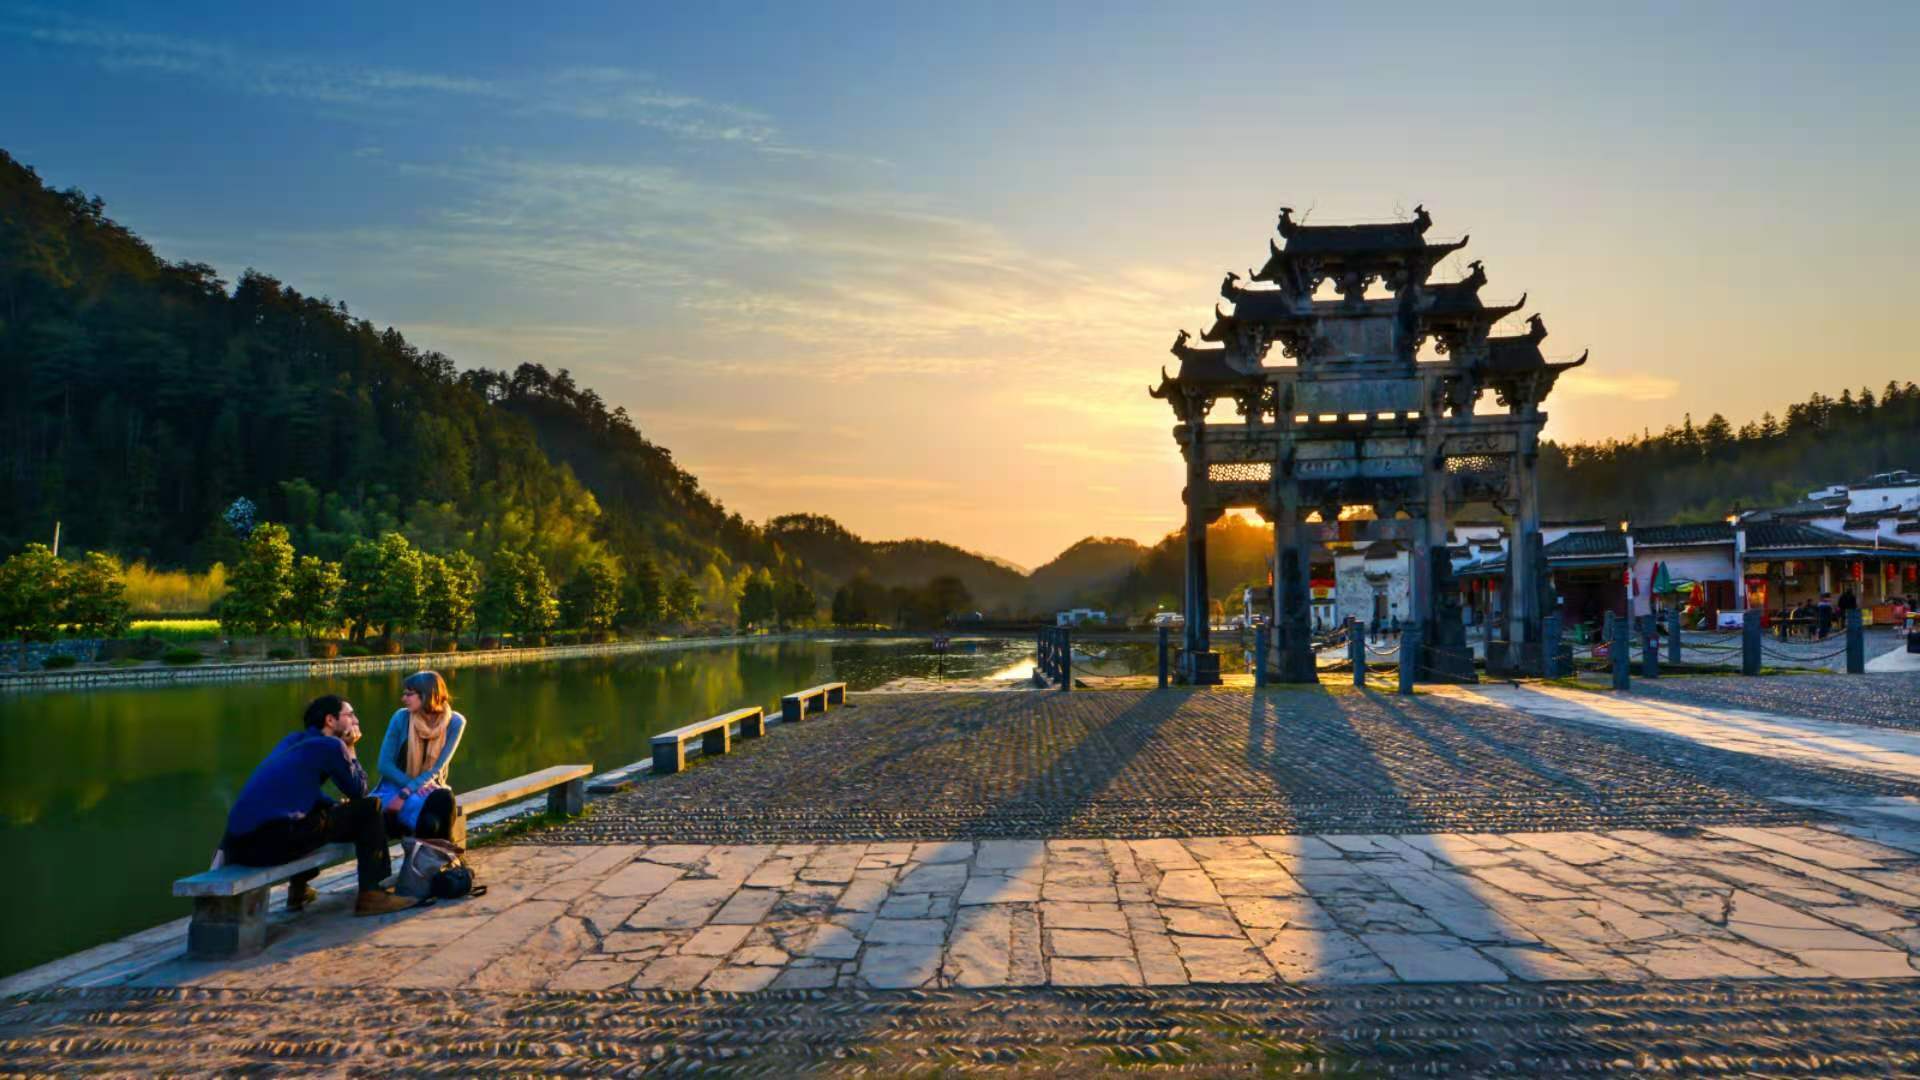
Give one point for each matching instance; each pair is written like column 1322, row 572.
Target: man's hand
column 350, row 734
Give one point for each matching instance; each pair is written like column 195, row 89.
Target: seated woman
column 420, row 741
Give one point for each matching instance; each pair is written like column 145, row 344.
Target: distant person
column 421, row 738
column 1823, row 616
column 1848, row 602
column 282, row 812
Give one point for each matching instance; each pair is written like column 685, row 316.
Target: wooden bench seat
column 715, row 734
column 230, row 904
column 801, row 704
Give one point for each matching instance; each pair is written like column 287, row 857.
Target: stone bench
column 799, row 705
column 715, row 734
column 230, row 903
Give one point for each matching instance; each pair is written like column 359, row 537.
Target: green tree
column 313, row 599
column 449, row 585
column 32, row 584
column 394, row 604
column 591, row 598
column 643, row 602
column 360, row 577
column 683, row 599
column 794, row 601
column 258, row 586
column 96, row 601
column 518, row 595
column 757, row 600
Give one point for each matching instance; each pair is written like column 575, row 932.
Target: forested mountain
column 1083, row 573
column 142, row 397
column 828, row 548
column 1689, row 473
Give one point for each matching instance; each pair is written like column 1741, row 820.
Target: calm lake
column 108, row 795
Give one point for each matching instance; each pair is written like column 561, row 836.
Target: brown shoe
column 301, row 897
column 380, row 902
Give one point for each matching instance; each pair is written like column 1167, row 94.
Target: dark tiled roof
column 1354, row 239
column 1793, row 535
column 1586, row 545
column 1713, row 532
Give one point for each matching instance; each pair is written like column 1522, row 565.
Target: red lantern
column 1892, row 572
column 1859, row 570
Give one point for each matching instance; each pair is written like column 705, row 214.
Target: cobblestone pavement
column 1877, row 700
column 1766, row 737
column 1735, row 902
column 1197, row 763
column 1837, row 1028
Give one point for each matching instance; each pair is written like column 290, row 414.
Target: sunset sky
column 915, row 266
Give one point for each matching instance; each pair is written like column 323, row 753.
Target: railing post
column 1357, row 650
column 1409, row 656
column 1163, row 657
column 1259, row 656
column 1673, row 636
column 1649, row 647
column 1550, row 647
column 1856, row 643
column 1750, row 634
column 1066, row 659
column 1620, row 651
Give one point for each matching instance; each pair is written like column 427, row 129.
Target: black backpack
column 453, row 883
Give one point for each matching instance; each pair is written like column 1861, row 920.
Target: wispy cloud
column 610, row 94
column 1631, row 386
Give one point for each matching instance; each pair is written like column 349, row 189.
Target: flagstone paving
column 1623, row 905
column 1196, row 763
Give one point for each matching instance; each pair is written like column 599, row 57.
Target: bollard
column 1619, row 649
column 1066, row 659
column 1163, row 658
column 1856, row 643
column 1673, row 636
column 1750, row 633
column 1649, row 647
column 1357, row 650
column 1409, row 653
column 1550, row 648
column 1259, row 657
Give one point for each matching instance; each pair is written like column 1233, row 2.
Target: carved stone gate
column 1352, row 418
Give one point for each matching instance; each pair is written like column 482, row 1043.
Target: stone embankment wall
column 84, row 650
column 300, row 669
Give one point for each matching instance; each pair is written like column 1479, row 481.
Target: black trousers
column 350, row 820
column 435, row 821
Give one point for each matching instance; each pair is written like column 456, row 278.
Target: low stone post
column 1856, row 643
column 1649, row 647
column 1750, row 635
column 1550, row 647
column 1163, row 658
column 1673, row 636
column 1409, row 656
column 1620, row 649
column 1357, row 650
column 1259, row 657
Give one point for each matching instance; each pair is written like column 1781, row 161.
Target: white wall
column 1706, row 563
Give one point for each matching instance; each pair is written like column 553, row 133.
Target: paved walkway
column 1628, row 905
column 1766, row 736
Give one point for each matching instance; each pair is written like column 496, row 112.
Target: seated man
column 281, row 813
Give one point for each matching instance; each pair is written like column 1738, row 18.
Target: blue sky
column 907, row 265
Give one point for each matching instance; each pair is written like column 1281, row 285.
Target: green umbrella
column 1661, row 582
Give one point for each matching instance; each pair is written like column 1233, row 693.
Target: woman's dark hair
column 322, row 707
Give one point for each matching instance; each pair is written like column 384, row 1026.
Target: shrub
column 181, row 656
column 354, row 648
column 323, row 650
column 59, row 661
column 280, row 653
column 174, row 592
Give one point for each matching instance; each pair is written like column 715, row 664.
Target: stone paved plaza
column 1891, row 700
column 1191, row 763
column 1479, row 879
